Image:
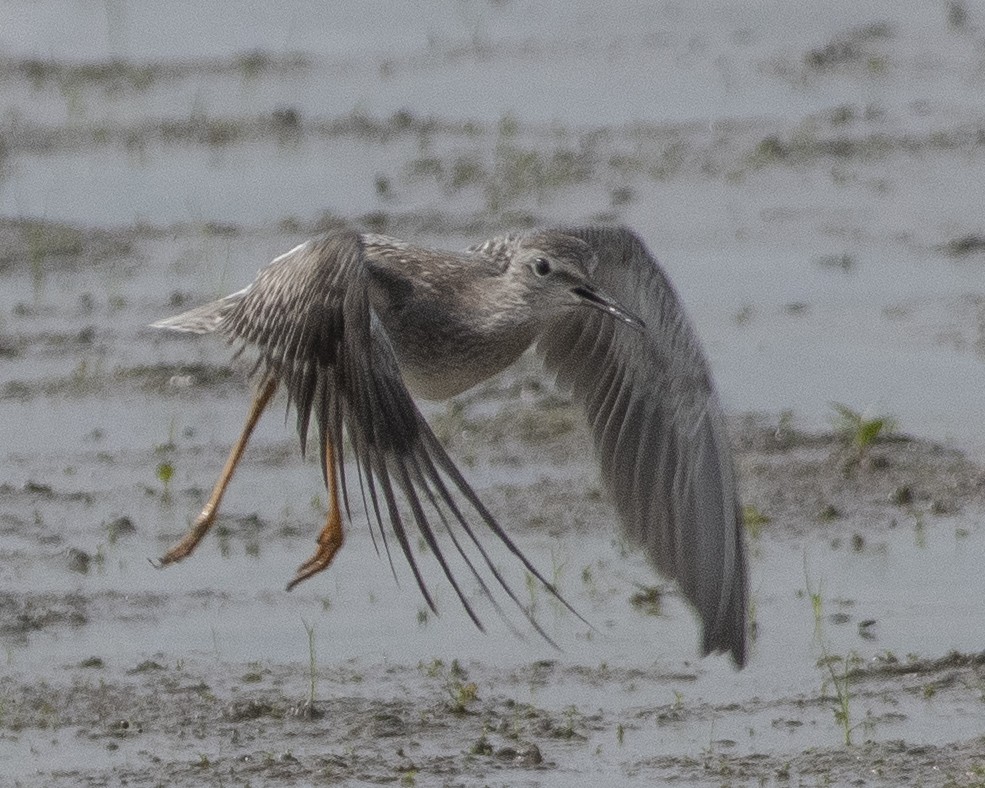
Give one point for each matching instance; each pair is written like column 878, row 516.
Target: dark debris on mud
column 119, row 76
column 94, row 381
column 892, row 763
column 21, row 614
column 888, row 666
column 217, row 734
column 831, row 484
column 34, row 242
column 190, row 724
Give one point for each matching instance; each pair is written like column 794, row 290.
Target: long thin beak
column 591, row 297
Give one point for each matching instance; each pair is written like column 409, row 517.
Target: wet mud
column 96, row 691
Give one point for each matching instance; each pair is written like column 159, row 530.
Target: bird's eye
column 542, row 266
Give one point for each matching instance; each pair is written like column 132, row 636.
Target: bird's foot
column 328, row 545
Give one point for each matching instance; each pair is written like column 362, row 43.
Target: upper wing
column 659, row 432
column 309, row 314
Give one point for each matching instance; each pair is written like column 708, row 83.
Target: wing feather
column 309, row 315
column 659, row 432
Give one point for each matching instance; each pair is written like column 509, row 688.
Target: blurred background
column 811, row 180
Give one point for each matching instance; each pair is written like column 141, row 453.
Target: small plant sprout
column 814, row 594
column 165, row 468
column 409, row 777
column 462, row 694
column 709, row 751
column 678, row 703
column 919, row 530
column 307, row 709
column 839, row 673
column 164, row 473
column 648, row 600
column 169, row 445
column 431, row 669
column 784, row 432
column 312, row 670
column 754, row 520
column 570, row 717
column 859, row 432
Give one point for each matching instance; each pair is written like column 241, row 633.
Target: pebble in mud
column 527, row 755
column 866, row 629
column 902, row 495
column 123, row 728
column 242, row 710
column 120, row 526
column 306, row 710
column 522, row 755
column 386, row 725
column 78, row 561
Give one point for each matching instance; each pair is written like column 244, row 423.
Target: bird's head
column 553, row 271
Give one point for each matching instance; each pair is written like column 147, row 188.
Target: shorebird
column 352, row 325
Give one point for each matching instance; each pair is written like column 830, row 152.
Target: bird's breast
column 443, row 355
column 448, row 335
column 439, row 366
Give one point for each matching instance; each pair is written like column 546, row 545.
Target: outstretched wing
column 309, row 315
column 659, row 432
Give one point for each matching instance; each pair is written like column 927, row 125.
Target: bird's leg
column 205, row 520
column 331, row 537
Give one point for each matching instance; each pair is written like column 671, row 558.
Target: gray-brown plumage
column 352, row 324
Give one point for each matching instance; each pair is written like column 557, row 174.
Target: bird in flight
column 355, row 325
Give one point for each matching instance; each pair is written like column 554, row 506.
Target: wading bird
column 352, row 324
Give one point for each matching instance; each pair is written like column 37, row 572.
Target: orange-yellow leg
column 205, row 520
column 331, row 537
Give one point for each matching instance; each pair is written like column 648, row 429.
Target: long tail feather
column 203, row 319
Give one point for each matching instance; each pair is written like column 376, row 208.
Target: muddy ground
column 811, row 178
column 117, row 673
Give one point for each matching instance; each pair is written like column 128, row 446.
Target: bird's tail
column 203, row 319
